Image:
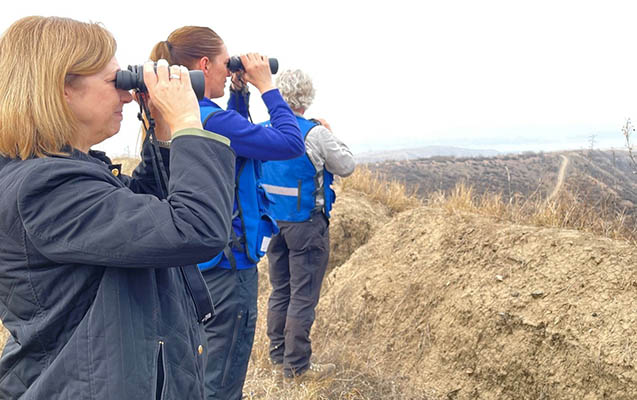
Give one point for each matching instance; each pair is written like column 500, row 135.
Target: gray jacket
column 95, row 282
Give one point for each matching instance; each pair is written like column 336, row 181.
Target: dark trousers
column 230, row 333
column 297, row 259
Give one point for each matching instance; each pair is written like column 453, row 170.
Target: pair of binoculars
column 234, row 64
column 132, row 78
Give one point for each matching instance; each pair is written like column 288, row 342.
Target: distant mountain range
column 421, row 152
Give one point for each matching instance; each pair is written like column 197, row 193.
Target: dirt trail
column 560, row 177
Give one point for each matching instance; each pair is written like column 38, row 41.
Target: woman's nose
column 126, row 96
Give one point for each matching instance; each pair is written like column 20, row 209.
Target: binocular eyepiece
column 234, row 64
column 133, row 79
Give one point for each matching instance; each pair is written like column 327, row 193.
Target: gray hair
column 296, row 88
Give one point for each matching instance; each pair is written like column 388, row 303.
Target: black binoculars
column 234, row 64
column 133, row 79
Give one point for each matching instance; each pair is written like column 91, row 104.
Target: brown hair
column 187, row 45
column 38, row 56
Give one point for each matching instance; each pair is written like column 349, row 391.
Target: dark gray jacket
column 89, row 284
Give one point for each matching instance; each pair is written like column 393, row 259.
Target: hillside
column 605, row 178
column 461, row 306
column 439, row 305
column 434, row 304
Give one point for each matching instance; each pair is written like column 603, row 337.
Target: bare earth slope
column 354, row 220
column 465, row 307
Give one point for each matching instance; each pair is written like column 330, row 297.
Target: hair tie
column 170, row 46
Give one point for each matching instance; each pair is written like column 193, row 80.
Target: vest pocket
column 267, row 226
column 266, row 229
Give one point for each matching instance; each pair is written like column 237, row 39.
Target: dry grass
column 393, row 194
column 566, row 210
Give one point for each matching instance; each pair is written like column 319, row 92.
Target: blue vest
column 294, row 184
column 250, row 208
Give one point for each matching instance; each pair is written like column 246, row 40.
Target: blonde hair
column 38, row 56
column 296, row 88
column 187, row 45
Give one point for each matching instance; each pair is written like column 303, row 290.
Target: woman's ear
column 68, row 92
column 204, row 64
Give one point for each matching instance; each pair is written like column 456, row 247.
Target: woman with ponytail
column 231, row 275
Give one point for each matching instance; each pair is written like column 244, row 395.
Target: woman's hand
column 324, row 123
column 172, row 95
column 238, row 83
column 257, row 72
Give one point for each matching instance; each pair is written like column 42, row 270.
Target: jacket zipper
column 160, row 384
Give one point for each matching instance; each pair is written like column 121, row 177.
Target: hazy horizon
column 493, row 74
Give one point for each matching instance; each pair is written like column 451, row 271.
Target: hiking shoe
column 317, row 372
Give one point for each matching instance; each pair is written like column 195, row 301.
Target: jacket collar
column 207, row 102
column 94, row 156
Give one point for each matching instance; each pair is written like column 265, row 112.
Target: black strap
column 198, row 292
column 157, row 161
column 205, row 121
column 227, row 251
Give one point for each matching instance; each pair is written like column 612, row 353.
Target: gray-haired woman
column 298, row 255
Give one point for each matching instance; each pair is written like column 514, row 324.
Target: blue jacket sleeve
column 281, row 141
column 78, row 212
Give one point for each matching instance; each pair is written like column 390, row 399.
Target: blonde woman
column 98, row 283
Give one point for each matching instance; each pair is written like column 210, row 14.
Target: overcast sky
column 504, row 75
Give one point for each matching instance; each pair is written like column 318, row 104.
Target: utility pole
column 592, row 146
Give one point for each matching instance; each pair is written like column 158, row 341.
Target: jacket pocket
column 160, row 375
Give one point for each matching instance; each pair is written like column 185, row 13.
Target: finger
column 185, row 76
column 175, row 73
column 150, row 79
column 162, row 70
